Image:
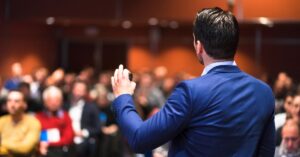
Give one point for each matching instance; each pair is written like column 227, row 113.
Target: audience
column 280, row 118
column 38, row 84
column 110, row 142
column 282, row 85
column 19, row 131
column 85, row 122
column 33, row 104
column 74, row 116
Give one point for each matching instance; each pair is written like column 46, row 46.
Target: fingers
column 120, row 82
column 126, row 74
column 112, row 82
column 120, row 72
column 116, row 76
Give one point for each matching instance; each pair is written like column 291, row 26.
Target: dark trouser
column 110, row 146
column 85, row 149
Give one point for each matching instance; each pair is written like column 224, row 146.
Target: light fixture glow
column 126, row 24
column 50, row 20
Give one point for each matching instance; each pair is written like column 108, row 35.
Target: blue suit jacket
column 223, row 113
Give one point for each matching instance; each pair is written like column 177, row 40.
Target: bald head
column 290, row 135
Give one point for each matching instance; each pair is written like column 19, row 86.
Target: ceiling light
column 50, row 20
column 265, row 21
column 153, row 21
column 126, row 24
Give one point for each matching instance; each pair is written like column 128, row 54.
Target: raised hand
column 120, row 82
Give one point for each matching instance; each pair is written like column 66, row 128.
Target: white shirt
column 212, row 65
column 279, row 120
column 75, row 113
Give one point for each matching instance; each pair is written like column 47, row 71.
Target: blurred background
column 73, row 34
column 60, row 42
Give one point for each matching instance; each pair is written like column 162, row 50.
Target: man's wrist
column 123, row 93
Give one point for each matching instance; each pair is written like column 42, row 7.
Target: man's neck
column 17, row 118
column 211, row 61
column 75, row 101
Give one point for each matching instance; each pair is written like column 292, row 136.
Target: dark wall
column 31, row 44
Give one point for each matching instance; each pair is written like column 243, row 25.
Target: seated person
column 281, row 117
column 289, row 146
column 19, row 131
column 57, row 133
column 292, row 107
column 110, row 142
column 85, row 122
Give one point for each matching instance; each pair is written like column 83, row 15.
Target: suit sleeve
column 267, row 143
column 165, row 125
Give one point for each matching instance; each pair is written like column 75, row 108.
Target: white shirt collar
column 212, row 65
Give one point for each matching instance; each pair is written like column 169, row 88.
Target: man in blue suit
column 223, row 113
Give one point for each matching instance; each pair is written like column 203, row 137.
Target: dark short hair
column 23, row 85
column 218, row 32
column 78, row 81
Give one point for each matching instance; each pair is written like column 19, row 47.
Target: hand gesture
column 120, row 82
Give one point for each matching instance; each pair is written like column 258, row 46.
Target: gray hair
column 52, row 91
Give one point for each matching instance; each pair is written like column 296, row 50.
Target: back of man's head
column 218, row 32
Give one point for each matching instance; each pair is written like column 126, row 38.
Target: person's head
column 216, row 32
column 17, row 69
column 86, row 74
column 168, row 85
column 295, row 108
column 24, row 88
column 40, row 74
column 79, row 90
column 160, row 72
column 280, row 81
column 15, row 103
column 104, row 78
column 146, row 80
column 53, row 98
column 58, row 75
column 288, row 102
column 290, row 136
column 102, row 100
column 69, row 78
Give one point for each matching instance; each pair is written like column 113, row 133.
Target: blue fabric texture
column 224, row 113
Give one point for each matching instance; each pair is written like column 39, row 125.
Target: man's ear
column 199, row 47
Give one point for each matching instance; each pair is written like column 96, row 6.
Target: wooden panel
column 182, row 10
column 277, row 9
column 32, row 45
column 24, row 9
column 78, row 12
